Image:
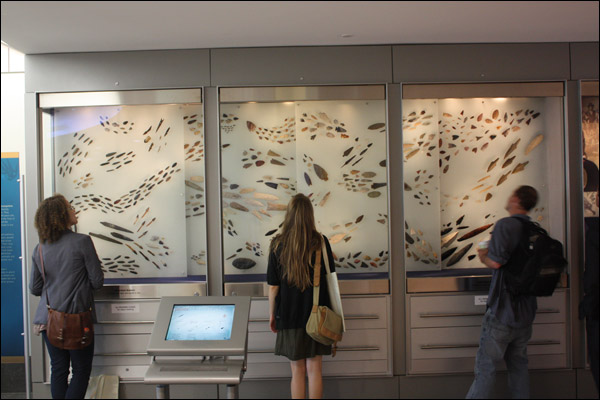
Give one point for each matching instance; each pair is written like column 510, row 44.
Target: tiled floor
column 13, row 395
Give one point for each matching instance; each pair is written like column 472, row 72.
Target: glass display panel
column 332, row 151
column 135, row 175
column 201, row 322
column 590, row 154
column 462, row 160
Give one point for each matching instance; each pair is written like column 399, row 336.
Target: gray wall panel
column 584, row 61
column 74, row 72
column 481, row 62
column 301, row 65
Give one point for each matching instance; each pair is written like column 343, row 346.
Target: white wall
column 13, row 115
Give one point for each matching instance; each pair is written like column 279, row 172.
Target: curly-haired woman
column 290, row 275
column 72, row 273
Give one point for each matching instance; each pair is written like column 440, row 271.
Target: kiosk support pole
column 233, row 392
column 162, row 391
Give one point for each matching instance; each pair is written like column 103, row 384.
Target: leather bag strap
column 326, row 258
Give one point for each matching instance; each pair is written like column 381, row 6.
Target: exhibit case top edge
column 473, row 90
column 242, row 94
column 117, row 98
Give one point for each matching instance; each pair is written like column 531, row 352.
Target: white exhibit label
column 480, row 300
column 124, row 308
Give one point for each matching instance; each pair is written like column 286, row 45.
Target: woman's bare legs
column 298, row 379
column 315, row 377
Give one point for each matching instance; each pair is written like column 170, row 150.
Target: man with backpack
column 507, row 323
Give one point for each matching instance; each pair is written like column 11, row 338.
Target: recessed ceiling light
column 346, row 35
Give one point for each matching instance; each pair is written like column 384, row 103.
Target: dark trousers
column 591, row 326
column 60, row 361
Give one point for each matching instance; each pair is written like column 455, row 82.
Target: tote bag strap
column 317, row 280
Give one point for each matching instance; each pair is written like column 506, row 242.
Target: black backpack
column 535, row 266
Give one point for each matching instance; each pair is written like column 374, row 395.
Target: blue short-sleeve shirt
column 520, row 311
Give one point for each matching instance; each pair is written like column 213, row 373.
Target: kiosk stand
column 199, row 340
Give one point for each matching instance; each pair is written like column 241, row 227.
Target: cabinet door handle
column 358, row 348
column 360, row 317
column 443, row 315
column 543, row 342
column 338, row 349
column 346, row 317
column 478, row 314
column 119, row 354
column 124, row 322
column 473, row 345
column 447, row 346
column 547, row 311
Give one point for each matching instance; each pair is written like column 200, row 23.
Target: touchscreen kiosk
column 199, row 340
column 200, row 326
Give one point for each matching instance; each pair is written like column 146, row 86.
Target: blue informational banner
column 12, row 277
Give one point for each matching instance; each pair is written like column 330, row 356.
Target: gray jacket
column 73, row 272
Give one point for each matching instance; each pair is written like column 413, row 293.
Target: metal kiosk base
column 163, row 373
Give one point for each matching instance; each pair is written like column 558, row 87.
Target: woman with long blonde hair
column 290, row 277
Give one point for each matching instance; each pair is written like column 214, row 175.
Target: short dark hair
column 527, row 196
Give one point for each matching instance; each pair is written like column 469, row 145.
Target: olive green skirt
column 296, row 345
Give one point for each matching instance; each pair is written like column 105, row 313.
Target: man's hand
column 486, row 260
column 482, row 253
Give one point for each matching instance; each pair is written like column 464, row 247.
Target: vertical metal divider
column 214, row 220
column 25, row 293
column 574, row 220
column 396, row 210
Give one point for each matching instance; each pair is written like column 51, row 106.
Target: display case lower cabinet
column 125, row 317
column 367, row 340
column 444, row 329
column 124, row 328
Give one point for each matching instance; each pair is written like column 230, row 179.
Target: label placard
column 124, row 308
column 480, row 300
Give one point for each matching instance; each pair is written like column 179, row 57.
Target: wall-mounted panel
column 481, row 62
column 117, row 70
column 584, row 61
column 301, row 65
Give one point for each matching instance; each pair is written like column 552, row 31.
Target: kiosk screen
column 201, row 322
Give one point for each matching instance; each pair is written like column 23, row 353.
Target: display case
column 591, row 162
column 132, row 165
column 466, row 149
column 328, row 142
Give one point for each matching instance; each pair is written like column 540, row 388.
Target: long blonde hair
column 298, row 240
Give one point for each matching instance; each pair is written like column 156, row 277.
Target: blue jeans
column 591, row 326
column 500, row 342
column 60, row 361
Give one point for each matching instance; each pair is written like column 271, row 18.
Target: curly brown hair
column 52, row 218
